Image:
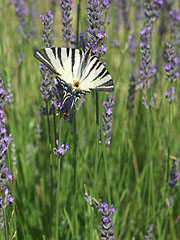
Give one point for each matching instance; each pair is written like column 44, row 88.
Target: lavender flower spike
column 21, row 13
column 106, row 227
column 149, row 235
column 5, row 140
column 107, row 118
column 96, row 33
column 68, row 35
column 174, row 174
column 172, row 62
column 60, row 150
column 48, row 39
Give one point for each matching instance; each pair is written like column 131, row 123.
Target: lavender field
column 106, row 165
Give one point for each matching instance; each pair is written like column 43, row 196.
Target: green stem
column 5, row 225
column 58, row 174
column 75, row 178
column 97, row 144
column 168, row 152
column 51, row 162
column 58, row 196
column 107, row 175
column 77, row 25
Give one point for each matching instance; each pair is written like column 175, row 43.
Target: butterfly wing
column 95, row 76
column 61, row 61
column 74, row 65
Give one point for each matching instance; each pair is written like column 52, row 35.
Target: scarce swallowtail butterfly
column 78, row 72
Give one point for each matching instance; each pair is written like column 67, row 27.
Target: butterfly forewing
column 74, row 65
column 97, row 76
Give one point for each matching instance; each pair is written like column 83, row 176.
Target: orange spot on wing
column 76, row 84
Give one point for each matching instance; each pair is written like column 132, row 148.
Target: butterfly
column 77, row 72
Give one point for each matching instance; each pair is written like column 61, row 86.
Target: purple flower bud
column 67, row 29
column 60, row 150
column 107, row 118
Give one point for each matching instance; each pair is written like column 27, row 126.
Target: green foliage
column 131, row 172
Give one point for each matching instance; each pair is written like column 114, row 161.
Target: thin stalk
column 75, row 234
column 77, row 24
column 5, row 225
column 97, row 143
column 107, row 175
column 58, row 174
column 168, row 145
column 75, row 177
column 51, row 161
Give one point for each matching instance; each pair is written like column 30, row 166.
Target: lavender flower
column 48, row 39
column 107, row 118
column 174, row 174
column 131, row 96
column 172, row 62
column 96, row 33
column 138, row 9
column 68, row 35
column 82, row 41
column 88, row 199
column 132, row 46
column 174, row 17
column 5, row 140
column 152, row 10
column 106, row 226
column 147, row 104
column 21, row 12
column 170, row 94
column 47, row 35
column 7, row 199
column 146, row 69
column 60, row 150
column 149, row 234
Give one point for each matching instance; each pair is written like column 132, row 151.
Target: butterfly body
column 81, row 70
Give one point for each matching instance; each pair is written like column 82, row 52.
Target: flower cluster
column 147, row 71
column 68, row 35
column 96, row 33
column 106, row 226
column 5, row 140
column 174, row 174
column 48, row 39
column 170, row 94
column 122, row 14
column 107, row 118
column 47, row 35
column 21, row 12
column 152, row 10
column 174, row 17
column 131, row 95
column 172, row 62
column 60, row 150
column 149, row 234
column 132, row 46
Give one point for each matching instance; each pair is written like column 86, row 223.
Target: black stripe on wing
column 59, row 57
column 42, row 56
column 91, row 69
column 107, row 86
column 85, row 60
column 72, row 59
